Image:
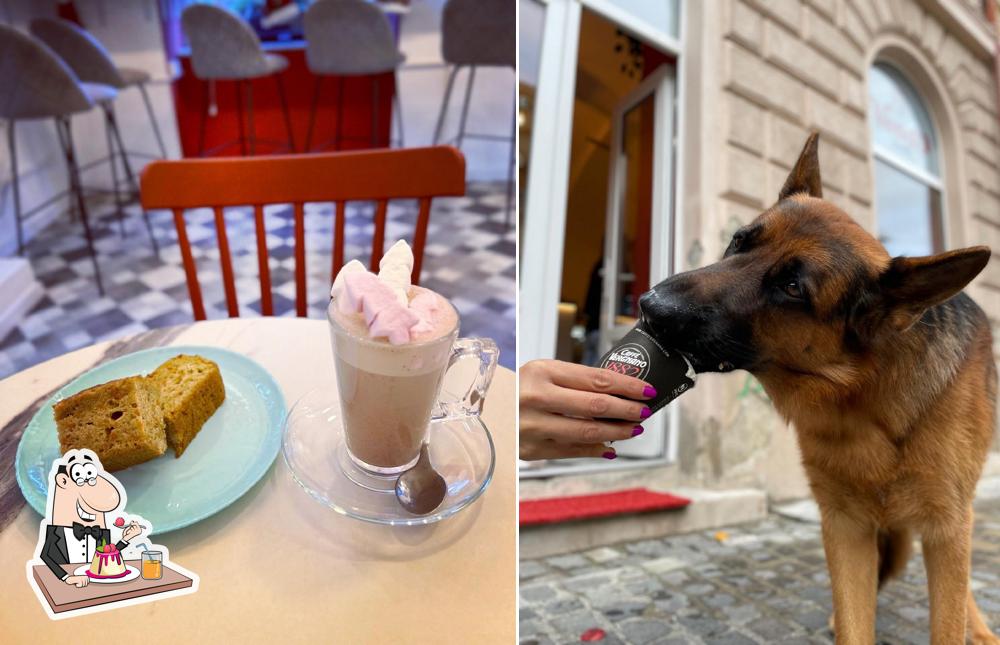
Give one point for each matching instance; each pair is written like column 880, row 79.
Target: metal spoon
column 421, row 489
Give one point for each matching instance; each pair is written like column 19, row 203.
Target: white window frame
column 908, row 168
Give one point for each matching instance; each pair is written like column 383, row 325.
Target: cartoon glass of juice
column 152, row 565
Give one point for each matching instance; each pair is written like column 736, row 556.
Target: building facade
column 904, row 95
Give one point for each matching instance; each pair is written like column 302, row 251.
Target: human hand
column 570, row 410
column 131, row 531
column 77, row 581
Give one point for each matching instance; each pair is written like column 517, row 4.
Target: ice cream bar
column 638, row 354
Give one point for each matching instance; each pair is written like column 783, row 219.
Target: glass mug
column 152, row 565
column 389, row 394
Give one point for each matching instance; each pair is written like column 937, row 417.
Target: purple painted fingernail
column 610, row 454
column 636, row 431
column 649, row 391
column 645, row 414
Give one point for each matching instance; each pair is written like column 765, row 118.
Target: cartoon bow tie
column 79, row 530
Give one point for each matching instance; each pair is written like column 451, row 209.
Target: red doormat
column 584, row 507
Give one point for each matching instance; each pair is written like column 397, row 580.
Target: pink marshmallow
column 394, row 323
column 383, row 313
column 425, row 306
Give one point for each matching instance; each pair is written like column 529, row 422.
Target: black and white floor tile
column 469, row 258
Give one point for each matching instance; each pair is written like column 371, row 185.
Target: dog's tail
column 894, row 549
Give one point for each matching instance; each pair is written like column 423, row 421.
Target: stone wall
column 791, row 67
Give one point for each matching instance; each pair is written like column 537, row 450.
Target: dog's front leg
column 852, row 558
column 947, row 553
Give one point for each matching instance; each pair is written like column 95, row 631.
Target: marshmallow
column 383, row 299
column 343, row 304
column 426, row 306
column 396, row 268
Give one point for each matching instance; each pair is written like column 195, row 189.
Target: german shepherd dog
column 884, row 368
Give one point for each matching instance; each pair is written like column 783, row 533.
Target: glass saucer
column 314, row 449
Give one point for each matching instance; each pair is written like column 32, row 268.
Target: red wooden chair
column 378, row 175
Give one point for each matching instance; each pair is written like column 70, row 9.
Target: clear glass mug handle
column 470, row 396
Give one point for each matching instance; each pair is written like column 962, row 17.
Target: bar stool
column 36, row 84
column 350, row 38
column 478, row 33
column 225, row 48
column 92, row 64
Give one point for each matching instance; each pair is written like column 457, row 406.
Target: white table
column 276, row 566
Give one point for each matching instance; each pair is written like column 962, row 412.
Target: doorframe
column 659, row 85
column 542, row 240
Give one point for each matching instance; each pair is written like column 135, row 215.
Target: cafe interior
column 94, row 91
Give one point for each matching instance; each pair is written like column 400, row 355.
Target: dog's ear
column 910, row 286
column 804, row 177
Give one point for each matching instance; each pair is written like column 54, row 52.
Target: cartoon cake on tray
column 107, row 563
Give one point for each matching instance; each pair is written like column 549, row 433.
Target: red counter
column 269, row 124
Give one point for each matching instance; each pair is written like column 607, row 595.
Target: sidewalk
column 759, row 583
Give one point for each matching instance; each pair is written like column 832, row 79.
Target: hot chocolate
column 387, row 392
column 392, row 343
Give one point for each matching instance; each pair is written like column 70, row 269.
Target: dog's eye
column 792, row 288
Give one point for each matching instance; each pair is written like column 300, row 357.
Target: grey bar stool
column 92, row 64
column 36, row 84
column 225, row 48
column 350, row 38
column 478, row 33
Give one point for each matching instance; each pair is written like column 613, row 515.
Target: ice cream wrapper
column 638, row 354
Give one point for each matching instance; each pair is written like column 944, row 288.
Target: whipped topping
column 384, row 299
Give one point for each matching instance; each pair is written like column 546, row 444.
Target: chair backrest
column 339, row 177
column 84, row 54
column 345, row 37
column 223, row 45
column 479, row 32
column 34, row 82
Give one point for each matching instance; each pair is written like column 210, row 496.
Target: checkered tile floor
column 469, row 258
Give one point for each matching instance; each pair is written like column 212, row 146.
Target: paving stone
column 767, row 584
column 537, row 593
column 568, row 562
column 531, row 569
column 642, row 630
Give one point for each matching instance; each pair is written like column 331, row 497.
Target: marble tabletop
column 276, row 566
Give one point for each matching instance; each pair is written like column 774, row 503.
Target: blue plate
column 232, row 452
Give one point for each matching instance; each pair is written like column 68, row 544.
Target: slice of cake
column 191, row 390
column 107, row 563
column 120, row 420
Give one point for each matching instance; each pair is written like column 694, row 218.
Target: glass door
column 638, row 231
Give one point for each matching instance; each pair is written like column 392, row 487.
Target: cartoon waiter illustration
column 81, row 496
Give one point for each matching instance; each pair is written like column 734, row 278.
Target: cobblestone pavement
column 764, row 583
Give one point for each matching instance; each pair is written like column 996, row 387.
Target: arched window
column 908, row 184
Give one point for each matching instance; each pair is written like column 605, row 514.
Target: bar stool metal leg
column 444, row 105
column 284, row 111
column 119, row 207
column 399, row 111
column 465, row 106
column 239, row 117
column 312, row 113
column 152, row 120
column 64, row 127
column 253, row 142
column 510, row 170
column 130, row 176
column 15, row 184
